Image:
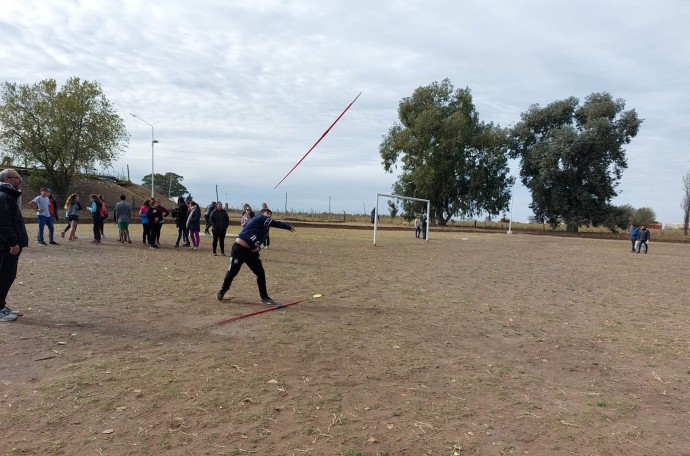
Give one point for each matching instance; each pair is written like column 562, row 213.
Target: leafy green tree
column 169, row 184
column 572, row 157
column 446, row 155
column 644, row 216
column 62, row 130
column 392, row 208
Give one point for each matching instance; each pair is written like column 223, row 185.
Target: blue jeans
column 44, row 220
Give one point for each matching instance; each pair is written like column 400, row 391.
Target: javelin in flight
column 317, row 142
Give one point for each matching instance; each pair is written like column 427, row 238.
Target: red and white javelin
column 317, row 142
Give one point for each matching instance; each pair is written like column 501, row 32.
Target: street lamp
column 510, row 222
column 153, row 141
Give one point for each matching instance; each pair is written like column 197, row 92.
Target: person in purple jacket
column 246, row 250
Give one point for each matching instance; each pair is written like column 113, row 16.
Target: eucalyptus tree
column 447, row 155
column 572, row 157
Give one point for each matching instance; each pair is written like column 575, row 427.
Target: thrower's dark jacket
column 12, row 229
column 256, row 230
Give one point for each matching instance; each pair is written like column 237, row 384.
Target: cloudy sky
column 238, row 90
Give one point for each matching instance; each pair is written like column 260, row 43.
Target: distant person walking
column 13, row 237
column 246, row 250
column 634, row 236
column 645, row 236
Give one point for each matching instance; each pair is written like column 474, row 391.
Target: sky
column 237, row 91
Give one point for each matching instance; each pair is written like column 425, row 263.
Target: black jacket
column 180, row 213
column 220, row 220
column 12, row 229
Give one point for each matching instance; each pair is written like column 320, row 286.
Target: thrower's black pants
column 239, row 256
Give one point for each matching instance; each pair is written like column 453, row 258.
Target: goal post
column 376, row 211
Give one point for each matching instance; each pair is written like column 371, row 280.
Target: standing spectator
column 72, row 206
column 207, row 216
column 13, row 237
column 164, row 213
column 634, row 235
column 104, row 214
column 42, row 206
column 246, row 250
column 53, row 207
column 247, row 214
column 424, row 222
column 645, row 236
column 96, row 209
column 156, row 214
column 267, row 240
column 180, row 213
column 194, row 224
column 417, row 227
column 123, row 215
column 220, row 221
column 144, row 217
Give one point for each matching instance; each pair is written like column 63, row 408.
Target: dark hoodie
column 12, row 229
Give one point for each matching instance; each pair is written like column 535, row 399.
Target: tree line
column 571, row 157
column 571, row 154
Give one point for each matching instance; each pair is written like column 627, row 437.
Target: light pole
column 510, row 222
column 153, row 141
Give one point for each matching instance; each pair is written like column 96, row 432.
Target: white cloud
column 238, row 91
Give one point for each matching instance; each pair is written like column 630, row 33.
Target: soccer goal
column 376, row 211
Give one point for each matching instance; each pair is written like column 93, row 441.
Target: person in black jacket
column 180, row 213
column 219, row 226
column 645, row 235
column 97, row 215
column 207, row 217
column 13, row 237
column 246, row 250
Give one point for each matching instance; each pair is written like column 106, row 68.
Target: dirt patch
column 473, row 343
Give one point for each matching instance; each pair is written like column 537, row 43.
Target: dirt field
column 471, row 344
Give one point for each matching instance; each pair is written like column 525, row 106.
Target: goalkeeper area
column 409, row 198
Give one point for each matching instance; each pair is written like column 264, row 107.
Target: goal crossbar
column 385, row 195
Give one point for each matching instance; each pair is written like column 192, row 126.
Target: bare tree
column 686, row 202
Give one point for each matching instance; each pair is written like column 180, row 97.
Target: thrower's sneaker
column 7, row 315
column 220, row 294
column 268, row 301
